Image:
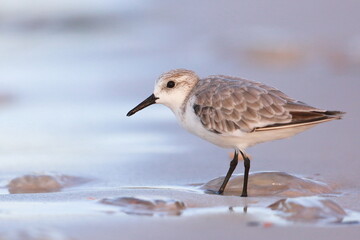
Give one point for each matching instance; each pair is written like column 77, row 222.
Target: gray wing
column 226, row 104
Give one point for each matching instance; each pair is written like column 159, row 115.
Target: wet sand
column 81, row 214
column 69, row 78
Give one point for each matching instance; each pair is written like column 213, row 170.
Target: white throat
column 174, row 101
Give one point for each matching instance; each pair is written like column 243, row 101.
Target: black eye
column 170, row 84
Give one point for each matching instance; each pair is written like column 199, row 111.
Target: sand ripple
column 42, row 183
column 270, row 184
column 309, row 209
column 146, row 206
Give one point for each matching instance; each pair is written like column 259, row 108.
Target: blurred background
column 71, row 70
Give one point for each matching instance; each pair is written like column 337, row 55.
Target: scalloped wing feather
column 227, row 104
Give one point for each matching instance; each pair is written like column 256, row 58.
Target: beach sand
column 73, row 166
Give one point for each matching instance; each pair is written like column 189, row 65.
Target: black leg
column 232, row 167
column 246, row 174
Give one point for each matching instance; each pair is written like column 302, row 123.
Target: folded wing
column 226, row 104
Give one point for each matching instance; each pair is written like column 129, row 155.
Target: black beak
column 147, row 102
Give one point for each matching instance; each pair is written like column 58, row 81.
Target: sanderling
column 232, row 112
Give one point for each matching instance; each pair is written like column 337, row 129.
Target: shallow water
column 146, row 206
column 265, row 189
column 70, row 74
column 36, row 234
column 309, row 209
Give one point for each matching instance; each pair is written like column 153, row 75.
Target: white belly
column 237, row 139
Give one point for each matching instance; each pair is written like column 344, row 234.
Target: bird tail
column 334, row 114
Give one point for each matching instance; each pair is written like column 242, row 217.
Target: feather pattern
column 225, row 104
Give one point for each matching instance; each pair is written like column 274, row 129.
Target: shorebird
column 232, row 112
